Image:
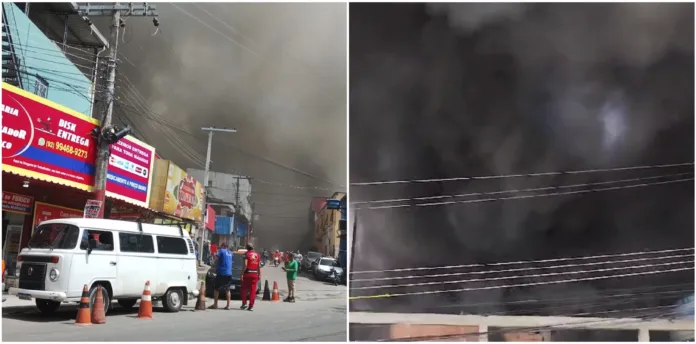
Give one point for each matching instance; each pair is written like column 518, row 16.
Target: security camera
column 88, row 21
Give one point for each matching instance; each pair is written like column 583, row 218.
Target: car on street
column 308, row 259
column 323, row 266
column 236, row 287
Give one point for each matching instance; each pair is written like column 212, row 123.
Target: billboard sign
column 210, row 218
column 47, row 141
column 183, row 196
column 44, row 212
column 16, row 203
column 130, row 167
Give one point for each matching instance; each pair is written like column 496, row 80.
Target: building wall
column 224, row 187
column 38, row 55
column 325, row 232
column 432, row 332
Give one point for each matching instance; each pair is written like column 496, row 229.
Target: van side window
column 104, row 240
column 171, row 245
column 141, row 243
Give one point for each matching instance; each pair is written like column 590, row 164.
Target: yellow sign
column 183, row 195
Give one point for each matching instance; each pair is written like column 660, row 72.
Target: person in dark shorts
column 223, row 280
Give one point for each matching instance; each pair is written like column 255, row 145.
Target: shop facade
column 178, row 198
column 48, row 167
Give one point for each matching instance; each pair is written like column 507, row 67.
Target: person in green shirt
column 291, row 267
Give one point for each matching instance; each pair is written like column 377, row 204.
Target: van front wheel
column 93, row 298
column 47, row 306
column 173, row 300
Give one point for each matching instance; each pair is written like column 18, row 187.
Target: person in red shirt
column 213, row 249
column 251, row 276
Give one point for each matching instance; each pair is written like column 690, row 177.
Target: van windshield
column 55, row 236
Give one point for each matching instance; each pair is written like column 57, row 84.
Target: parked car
column 236, row 287
column 65, row 254
column 322, row 268
column 308, row 259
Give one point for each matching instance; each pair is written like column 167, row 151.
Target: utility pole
column 353, row 236
column 236, row 210
column 210, row 131
column 251, row 224
column 108, row 134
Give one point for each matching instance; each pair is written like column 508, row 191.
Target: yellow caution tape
column 383, row 296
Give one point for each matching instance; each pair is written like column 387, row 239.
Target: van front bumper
column 39, row 294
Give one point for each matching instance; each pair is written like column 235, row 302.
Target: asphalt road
column 318, row 315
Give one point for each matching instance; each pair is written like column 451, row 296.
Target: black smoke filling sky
column 448, row 90
column 285, row 92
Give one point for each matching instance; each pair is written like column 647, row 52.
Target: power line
column 520, row 285
column 551, row 274
column 627, row 254
column 425, row 198
column 518, row 269
column 283, row 52
column 539, row 174
column 430, row 204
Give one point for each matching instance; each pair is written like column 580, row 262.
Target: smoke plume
column 449, row 90
column 283, row 86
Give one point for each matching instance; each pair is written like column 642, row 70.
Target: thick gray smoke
column 285, row 92
column 447, row 90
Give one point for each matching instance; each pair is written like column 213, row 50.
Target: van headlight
column 53, row 275
column 18, row 269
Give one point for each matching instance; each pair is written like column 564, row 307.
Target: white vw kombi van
column 63, row 255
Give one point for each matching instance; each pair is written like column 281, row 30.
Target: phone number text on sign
column 44, row 140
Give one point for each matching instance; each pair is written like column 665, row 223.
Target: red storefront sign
column 46, row 141
column 44, row 212
column 130, row 171
column 16, row 203
column 210, row 218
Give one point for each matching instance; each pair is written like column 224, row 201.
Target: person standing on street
column 251, row 276
column 291, row 268
column 223, row 280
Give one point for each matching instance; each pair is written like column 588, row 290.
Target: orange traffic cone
column 145, row 311
column 200, row 304
column 275, row 296
column 98, row 315
column 83, row 316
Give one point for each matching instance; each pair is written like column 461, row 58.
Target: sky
column 451, row 90
column 275, row 72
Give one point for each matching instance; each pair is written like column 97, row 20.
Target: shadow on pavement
column 64, row 313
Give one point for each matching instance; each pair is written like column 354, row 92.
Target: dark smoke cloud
column 445, row 90
column 287, row 98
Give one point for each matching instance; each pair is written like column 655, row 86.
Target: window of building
column 103, row 240
column 171, row 245
column 41, row 87
column 141, row 243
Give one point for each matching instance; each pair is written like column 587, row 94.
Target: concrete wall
column 427, row 332
column 67, row 85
